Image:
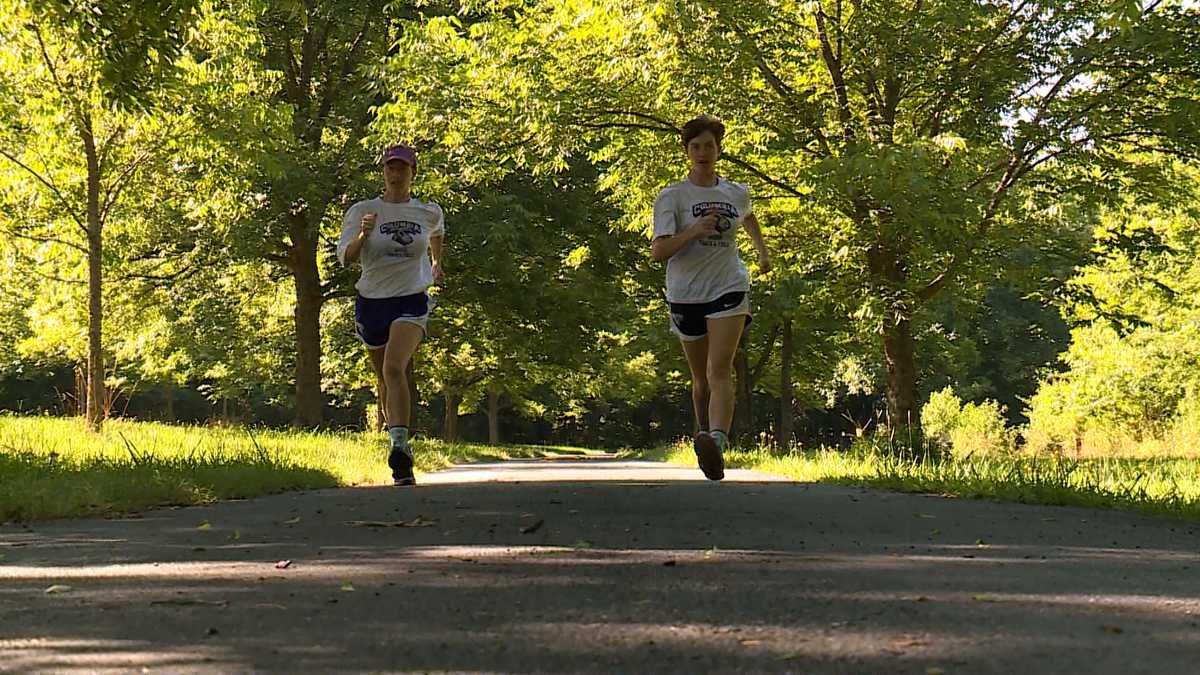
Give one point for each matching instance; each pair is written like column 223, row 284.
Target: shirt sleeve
column 665, row 223
column 438, row 229
column 350, row 228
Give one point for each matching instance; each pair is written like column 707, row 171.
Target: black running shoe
column 401, row 463
column 708, row 456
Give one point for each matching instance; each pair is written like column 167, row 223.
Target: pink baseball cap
column 403, row 153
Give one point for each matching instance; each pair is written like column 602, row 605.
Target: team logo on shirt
column 401, row 231
column 726, row 215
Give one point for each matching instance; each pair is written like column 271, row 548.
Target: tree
column 74, row 71
column 535, row 289
column 1131, row 368
column 293, row 98
column 922, row 133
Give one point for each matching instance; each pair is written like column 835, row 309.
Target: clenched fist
column 368, row 224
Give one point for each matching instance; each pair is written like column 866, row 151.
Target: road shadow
column 611, row 576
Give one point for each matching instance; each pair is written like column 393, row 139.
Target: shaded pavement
column 604, row 566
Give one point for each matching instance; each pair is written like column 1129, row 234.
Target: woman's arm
column 665, row 247
column 750, row 222
column 354, row 248
column 435, row 256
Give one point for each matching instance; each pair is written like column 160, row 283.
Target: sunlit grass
column 1168, row 486
column 53, row 467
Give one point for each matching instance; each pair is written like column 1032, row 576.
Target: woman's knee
column 719, row 371
column 393, row 372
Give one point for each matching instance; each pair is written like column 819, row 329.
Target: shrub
column 966, row 428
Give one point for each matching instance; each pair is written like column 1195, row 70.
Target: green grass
column 1169, row 486
column 54, row 468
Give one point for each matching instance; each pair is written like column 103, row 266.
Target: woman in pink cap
column 397, row 239
column 695, row 226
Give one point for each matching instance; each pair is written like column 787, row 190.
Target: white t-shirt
column 395, row 257
column 704, row 269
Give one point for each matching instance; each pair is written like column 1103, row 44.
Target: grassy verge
column 53, row 468
column 1168, row 486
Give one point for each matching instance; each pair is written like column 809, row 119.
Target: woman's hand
column 764, row 262
column 704, row 227
column 437, row 272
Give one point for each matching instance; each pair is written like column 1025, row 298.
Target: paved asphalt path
column 604, row 566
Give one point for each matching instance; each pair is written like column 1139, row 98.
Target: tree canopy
column 955, row 192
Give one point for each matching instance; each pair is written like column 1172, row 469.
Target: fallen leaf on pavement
column 530, row 529
column 58, row 588
column 983, row 597
column 234, row 536
column 204, row 525
column 1113, row 630
column 419, row 521
column 190, row 602
column 292, row 521
column 347, row 587
column 283, row 564
column 907, row 643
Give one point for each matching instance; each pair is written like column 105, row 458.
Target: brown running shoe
column 708, row 456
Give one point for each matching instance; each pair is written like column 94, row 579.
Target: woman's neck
column 702, row 176
column 396, row 196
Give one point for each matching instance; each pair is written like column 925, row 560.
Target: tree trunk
column 81, row 392
column 169, row 404
column 784, row 430
column 493, row 415
column 899, row 353
column 95, row 364
column 743, row 413
column 886, row 260
column 302, row 261
column 450, row 426
column 378, row 421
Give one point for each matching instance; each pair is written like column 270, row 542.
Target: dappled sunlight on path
column 633, row 572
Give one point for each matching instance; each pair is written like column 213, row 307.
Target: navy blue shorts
column 373, row 317
column 689, row 320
